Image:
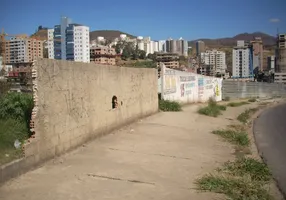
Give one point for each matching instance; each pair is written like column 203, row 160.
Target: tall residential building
column 162, row 46
column 257, row 53
column 185, row 47
column 23, row 50
column 156, row 46
column 200, row 47
column 216, row 59
column 271, row 63
column 280, row 69
column 51, row 54
column 242, row 60
column 70, row 42
column 179, row 47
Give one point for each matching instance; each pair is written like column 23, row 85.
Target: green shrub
column 16, row 106
column 213, row 109
column 235, row 188
column 258, row 171
column 10, row 131
column 226, row 99
column 166, row 105
column 237, row 104
column 244, row 117
column 235, row 137
column 15, row 115
column 252, row 100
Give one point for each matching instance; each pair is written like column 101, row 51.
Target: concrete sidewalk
column 156, row 158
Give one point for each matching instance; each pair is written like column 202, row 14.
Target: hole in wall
column 114, row 102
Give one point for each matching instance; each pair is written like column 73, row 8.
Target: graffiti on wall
column 201, row 87
column 208, row 84
column 170, row 82
column 188, row 82
column 216, row 88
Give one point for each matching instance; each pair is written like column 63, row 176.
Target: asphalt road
column 270, row 135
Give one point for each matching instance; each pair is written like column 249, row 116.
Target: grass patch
column 235, row 137
column 245, row 116
column 233, row 187
column 253, row 168
column 237, row 104
column 252, row 100
column 11, row 130
column 212, row 109
column 169, row 106
column 15, row 115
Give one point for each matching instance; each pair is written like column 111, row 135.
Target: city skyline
column 188, row 19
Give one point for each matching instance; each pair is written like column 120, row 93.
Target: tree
column 152, row 56
column 117, row 48
column 141, row 54
column 125, row 54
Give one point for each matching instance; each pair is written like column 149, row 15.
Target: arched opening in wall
column 114, row 102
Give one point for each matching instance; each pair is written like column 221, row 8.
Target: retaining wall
column 237, row 89
column 73, row 104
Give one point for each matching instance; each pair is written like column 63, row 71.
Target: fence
column 236, row 89
column 186, row 87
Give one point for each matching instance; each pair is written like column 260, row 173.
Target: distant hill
column 108, row 34
column 41, row 34
column 268, row 40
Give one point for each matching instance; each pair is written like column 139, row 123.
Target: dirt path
column 157, row 158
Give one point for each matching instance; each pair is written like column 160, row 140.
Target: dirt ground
column 159, row 157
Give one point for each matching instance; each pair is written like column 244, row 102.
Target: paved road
column 270, row 135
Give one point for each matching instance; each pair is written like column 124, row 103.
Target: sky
column 159, row 19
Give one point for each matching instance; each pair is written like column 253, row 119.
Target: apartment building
column 280, row 69
column 179, row 47
column 257, row 45
column 23, row 50
column 171, row 60
column 69, row 41
column 50, row 42
column 162, row 46
column 242, row 60
column 271, row 63
column 102, row 55
column 200, row 47
column 214, row 58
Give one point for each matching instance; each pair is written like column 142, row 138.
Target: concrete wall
column 73, row 104
column 186, row 87
column 238, row 89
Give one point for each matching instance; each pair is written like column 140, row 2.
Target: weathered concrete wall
column 186, row 87
column 237, row 89
column 73, row 103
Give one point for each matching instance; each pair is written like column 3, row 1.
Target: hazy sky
column 160, row 19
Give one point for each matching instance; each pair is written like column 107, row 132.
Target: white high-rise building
column 80, row 41
column 51, row 53
column 156, row 46
column 242, row 60
column 152, row 44
column 70, row 41
column 162, row 46
column 214, row 58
